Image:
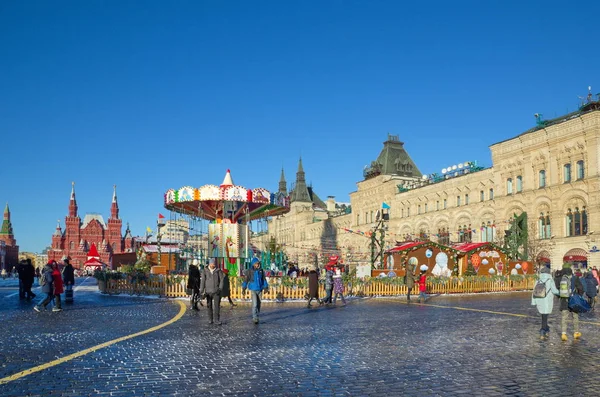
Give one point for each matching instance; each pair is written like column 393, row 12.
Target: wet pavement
column 482, row 345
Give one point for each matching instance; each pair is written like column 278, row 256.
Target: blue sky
column 152, row 95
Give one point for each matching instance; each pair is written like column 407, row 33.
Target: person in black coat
column 226, row 292
column 194, row 284
column 28, row 277
column 68, row 276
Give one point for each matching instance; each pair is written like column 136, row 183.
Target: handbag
column 578, row 305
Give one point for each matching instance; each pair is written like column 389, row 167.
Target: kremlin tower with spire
column 78, row 237
column 9, row 250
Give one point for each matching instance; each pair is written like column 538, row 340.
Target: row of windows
column 567, row 177
column 576, row 224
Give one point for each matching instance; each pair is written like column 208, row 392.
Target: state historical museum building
column 77, row 238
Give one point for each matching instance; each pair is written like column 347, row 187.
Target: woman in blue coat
column 546, row 304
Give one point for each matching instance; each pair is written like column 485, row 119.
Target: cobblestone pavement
column 455, row 346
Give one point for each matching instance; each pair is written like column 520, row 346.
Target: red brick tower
column 114, row 239
column 72, row 236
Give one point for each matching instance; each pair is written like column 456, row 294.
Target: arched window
column 425, row 207
column 545, row 231
column 509, row 187
column 488, row 232
column 467, row 199
column 443, row 236
column 580, row 171
column 567, row 173
column 358, row 217
column 481, row 195
column 419, row 209
column 542, row 178
column 445, row 203
column 458, row 201
column 491, row 193
column 114, row 247
column 576, row 222
column 464, row 234
column 72, row 245
column 437, row 205
column 519, row 184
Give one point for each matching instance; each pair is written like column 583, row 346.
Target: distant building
column 75, row 241
column 9, row 250
column 543, row 184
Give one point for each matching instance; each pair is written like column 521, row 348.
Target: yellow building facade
column 550, row 172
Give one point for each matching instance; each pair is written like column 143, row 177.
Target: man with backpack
column 567, row 285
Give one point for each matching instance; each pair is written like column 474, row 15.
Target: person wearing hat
column 409, row 278
column 211, row 285
column 313, row 285
column 47, row 283
column 256, row 282
column 575, row 286
column 546, row 304
column 68, row 274
column 329, row 272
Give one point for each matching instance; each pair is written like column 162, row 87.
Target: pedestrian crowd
column 55, row 282
column 576, row 293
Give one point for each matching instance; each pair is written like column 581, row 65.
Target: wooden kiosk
column 439, row 259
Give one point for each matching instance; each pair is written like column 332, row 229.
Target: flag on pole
column 385, row 206
column 148, row 229
column 160, row 216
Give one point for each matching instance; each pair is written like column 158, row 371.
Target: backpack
column 539, row 290
column 42, row 279
column 565, row 290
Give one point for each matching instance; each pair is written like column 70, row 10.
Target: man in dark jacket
column 211, row 285
column 21, row 271
column 47, row 283
column 28, row 277
column 68, row 275
column 574, row 284
column 591, row 288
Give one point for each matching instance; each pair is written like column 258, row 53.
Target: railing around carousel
column 294, row 289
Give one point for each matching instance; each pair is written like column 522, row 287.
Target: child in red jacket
column 422, row 286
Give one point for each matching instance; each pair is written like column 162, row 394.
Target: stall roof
column 468, row 247
column 406, row 245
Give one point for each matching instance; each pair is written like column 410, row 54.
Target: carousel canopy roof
column 227, row 201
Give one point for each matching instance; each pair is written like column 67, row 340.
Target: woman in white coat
column 545, row 304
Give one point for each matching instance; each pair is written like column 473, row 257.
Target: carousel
column 229, row 209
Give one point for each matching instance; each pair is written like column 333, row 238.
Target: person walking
column 409, row 278
column 256, row 282
column 591, row 288
column 193, row 284
column 568, row 284
column 423, row 286
column 545, row 304
column 21, row 271
column 46, row 282
column 226, row 293
column 338, row 285
column 313, row 285
column 211, row 285
column 57, row 283
column 68, row 274
column 329, row 272
column 28, row 278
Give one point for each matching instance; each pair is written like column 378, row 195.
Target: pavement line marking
column 494, row 312
column 80, row 284
column 17, row 293
column 182, row 309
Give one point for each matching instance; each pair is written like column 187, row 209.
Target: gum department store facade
column 550, row 172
